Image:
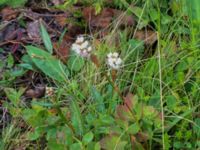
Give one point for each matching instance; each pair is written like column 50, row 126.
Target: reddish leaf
column 123, row 113
column 112, row 141
column 63, row 50
column 95, row 60
column 129, row 101
column 101, row 20
column 9, row 14
column 114, row 75
column 106, row 17
column 142, row 137
column 61, row 19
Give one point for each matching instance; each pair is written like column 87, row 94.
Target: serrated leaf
column 49, row 65
column 46, row 38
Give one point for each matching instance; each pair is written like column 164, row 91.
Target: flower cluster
column 114, row 61
column 49, row 91
column 82, row 47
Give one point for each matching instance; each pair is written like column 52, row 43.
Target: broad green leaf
column 35, row 134
column 53, row 145
column 133, row 129
column 113, row 142
column 75, row 146
column 49, row 65
column 46, row 38
column 75, row 62
column 76, row 118
column 87, row 138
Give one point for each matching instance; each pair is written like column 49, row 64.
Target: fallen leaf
column 149, row 37
column 101, row 20
column 63, row 50
column 61, row 20
column 37, row 92
column 8, row 14
column 33, row 30
column 105, row 18
column 57, row 2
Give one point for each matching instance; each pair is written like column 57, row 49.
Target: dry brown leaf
column 37, row 92
column 63, row 50
column 95, row 60
column 57, row 2
column 61, row 20
column 105, row 18
column 149, row 37
column 33, row 30
column 9, row 14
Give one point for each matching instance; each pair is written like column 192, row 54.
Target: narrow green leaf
column 76, row 118
column 49, row 65
column 46, row 38
column 98, row 100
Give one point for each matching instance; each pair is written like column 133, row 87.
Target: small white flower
column 89, row 49
column 79, row 39
column 114, row 61
column 115, row 54
column 109, row 55
column 82, row 47
column 84, row 44
column 49, row 91
column 119, row 61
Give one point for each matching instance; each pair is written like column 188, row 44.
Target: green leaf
column 10, row 61
column 75, row 62
column 87, row 138
column 46, row 38
column 112, row 142
column 35, row 134
column 53, row 145
column 13, row 95
column 49, row 65
column 133, row 129
column 76, row 118
column 98, row 99
column 75, row 146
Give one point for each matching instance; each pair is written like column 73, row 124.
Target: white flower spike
column 114, row 61
column 82, row 47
